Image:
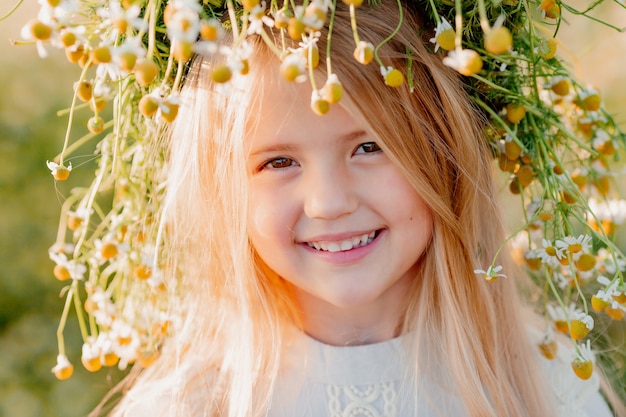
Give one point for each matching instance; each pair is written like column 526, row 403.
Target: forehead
column 281, row 111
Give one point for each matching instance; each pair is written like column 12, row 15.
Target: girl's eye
column 279, row 163
column 367, row 147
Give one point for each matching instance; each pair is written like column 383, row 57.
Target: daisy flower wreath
column 551, row 136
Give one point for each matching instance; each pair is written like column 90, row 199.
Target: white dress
column 320, row 380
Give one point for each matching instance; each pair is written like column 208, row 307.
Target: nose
column 329, row 195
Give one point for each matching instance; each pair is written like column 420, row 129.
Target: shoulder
column 574, row 397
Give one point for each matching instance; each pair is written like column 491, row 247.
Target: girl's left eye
column 367, row 147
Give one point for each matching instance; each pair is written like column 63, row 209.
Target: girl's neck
column 354, row 326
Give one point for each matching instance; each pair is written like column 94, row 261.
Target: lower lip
column 346, row 257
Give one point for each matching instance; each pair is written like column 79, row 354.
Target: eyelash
column 278, row 163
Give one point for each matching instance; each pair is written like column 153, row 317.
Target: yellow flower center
column 446, row 39
column 578, row 330
column 582, row 369
column 394, row 78
column 109, row 250
column 586, row 262
column 499, row 40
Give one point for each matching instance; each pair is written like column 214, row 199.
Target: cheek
column 268, row 218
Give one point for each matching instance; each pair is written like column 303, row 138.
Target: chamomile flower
column 580, row 325
column 392, row 76
column 491, row 274
column 466, row 61
column 574, row 246
column 548, row 346
column 315, row 14
column 109, row 248
column 606, row 263
column 90, row 357
column 66, row 269
column 108, row 357
column 124, row 342
column 582, row 364
column 60, row 172
column 183, row 25
column 603, row 142
column 126, row 55
column 444, row 36
column 550, row 254
column 293, row 68
column 610, row 214
column 601, row 300
column 63, row 369
column 100, row 305
column 364, row 52
column 58, row 248
column 258, row 20
column 561, row 316
column 115, row 16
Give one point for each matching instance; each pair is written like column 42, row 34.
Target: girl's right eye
column 279, row 163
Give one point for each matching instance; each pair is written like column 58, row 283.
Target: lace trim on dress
column 375, row 400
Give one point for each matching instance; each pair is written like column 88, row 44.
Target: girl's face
column 329, row 212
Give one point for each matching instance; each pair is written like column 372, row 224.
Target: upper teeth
column 343, row 245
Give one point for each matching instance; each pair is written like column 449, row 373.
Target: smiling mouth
column 346, row 244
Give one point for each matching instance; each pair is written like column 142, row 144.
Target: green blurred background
column 31, row 92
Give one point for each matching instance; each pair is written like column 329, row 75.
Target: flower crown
column 550, row 134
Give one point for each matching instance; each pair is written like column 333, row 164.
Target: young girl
column 323, row 255
column 328, row 261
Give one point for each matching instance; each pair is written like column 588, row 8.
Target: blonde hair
column 224, row 358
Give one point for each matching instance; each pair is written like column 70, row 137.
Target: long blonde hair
column 224, row 357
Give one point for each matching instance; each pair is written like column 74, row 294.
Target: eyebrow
column 346, row 137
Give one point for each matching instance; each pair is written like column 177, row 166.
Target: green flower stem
column 244, row 27
column 588, row 16
column 311, row 69
column 233, row 18
column 458, row 25
column 434, row 10
column 179, row 75
column 492, row 85
column 84, row 139
column 331, row 22
column 93, row 191
column 270, row 43
column 484, row 21
column 10, row 12
column 151, row 14
column 355, row 32
column 123, row 102
column 501, row 122
column 391, row 35
column 70, row 119
column 555, row 292
column 67, row 204
column 503, row 245
column 78, row 306
column 93, row 326
column 531, row 51
column 168, row 70
column 63, row 320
